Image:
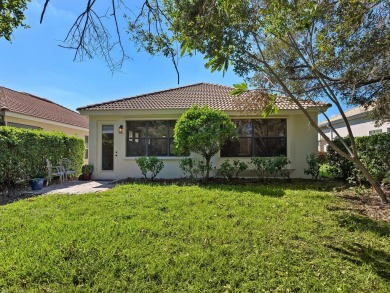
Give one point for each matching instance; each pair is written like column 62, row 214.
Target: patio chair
column 54, row 171
column 67, row 168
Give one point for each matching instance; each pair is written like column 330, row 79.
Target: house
column 124, row 129
column 24, row 110
column 361, row 125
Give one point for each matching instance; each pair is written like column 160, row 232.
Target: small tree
column 203, row 131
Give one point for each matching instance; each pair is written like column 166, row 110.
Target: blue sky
column 34, row 63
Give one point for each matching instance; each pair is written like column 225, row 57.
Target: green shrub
column 340, row 167
column 150, row 164
column 24, row 152
column 273, row 166
column 227, row 170
column 313, row 161
column 373, row 152
column 87, row 169
column 203, row 131
column 193, row 168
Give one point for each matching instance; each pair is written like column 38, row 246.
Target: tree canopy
column 203, row 131
column 11, row 16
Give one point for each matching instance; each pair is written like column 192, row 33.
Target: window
column 19, row 125
column 376, row 131
column 86, row 147
column 388, row 130
column 150, row 138
column 258, row 138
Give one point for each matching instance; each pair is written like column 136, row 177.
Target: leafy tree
column 11, row 16
column 332, row 51
column 203, row 131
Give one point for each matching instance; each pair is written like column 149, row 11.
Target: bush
column 203, row 131
column 227, row 170
column 313, row 161
column 150, row 164
column 340, row 167
column 24, row 151
column 193, row 167
column 271, row 166
column 373, row 152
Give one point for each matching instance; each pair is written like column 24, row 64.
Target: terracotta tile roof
column 30, row 105
column 215, row 96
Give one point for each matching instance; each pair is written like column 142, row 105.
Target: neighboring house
column 360, row 122
column 122, row 130
column 24, row 110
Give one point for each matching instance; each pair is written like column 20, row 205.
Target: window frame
column 254, row 137
column 169, row 124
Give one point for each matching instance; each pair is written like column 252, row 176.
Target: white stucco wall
column 360, row 126
column 302, row 140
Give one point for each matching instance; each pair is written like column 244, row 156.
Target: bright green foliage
column 272, row 166
column 339, row 167
column 227, row 169
column 203, row 131
column 313, row 162
column 192, row 167
column 23, row 153
column 11, row 16
column 292, row 237
column 373, row 152
column 150, row 164
column 87, row 169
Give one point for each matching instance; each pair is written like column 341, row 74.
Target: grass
column 218, row 238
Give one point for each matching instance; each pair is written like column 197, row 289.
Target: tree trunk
column 371, row 179
column 208, row 158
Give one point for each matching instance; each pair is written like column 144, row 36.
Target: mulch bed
column 369, row 205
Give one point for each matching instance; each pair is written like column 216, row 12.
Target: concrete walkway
column 76, row 187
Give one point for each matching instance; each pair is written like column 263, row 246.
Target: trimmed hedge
column 374, row 152
column 23, row 153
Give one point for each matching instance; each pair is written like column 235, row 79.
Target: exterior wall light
column 120, row 129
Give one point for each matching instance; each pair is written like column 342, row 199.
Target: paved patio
column 76, row 187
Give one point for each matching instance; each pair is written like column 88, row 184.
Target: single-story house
column 361, row 125
column 24, row 110
column 124, row 129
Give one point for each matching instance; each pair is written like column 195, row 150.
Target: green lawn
column 155, row 238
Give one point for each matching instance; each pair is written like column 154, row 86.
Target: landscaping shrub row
column 374, row 151
column 194, row 168
column 23, row 153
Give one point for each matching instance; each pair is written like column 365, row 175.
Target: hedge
column 373, row 152
column 23, row 153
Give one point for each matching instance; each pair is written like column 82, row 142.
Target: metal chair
column 67, row 168
column 54, row 171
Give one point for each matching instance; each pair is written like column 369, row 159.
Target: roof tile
column 30, row 105
column 215, row 96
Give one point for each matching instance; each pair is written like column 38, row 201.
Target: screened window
column 376, row 131
column 258, row 138
column 150, row 138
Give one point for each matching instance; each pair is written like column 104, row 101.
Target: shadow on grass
column 263, row 190
column 356, row 253
column 245, row 184
column 354, row 222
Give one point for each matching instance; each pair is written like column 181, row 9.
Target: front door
column 107, row 147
